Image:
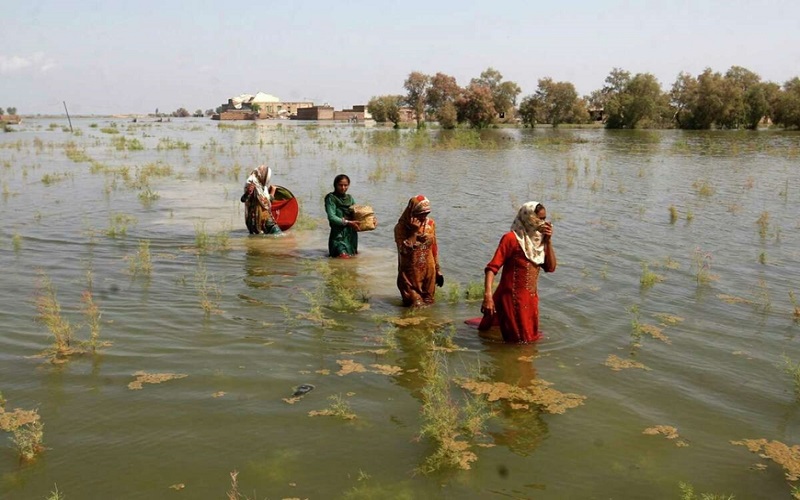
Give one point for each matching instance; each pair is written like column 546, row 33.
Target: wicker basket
column 365, row 216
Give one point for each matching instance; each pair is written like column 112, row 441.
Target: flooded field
column 150, row 347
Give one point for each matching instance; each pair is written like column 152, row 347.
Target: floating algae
column 386, row 369
column 152, row 378
column 731, row 299
column 618, row 364
column 668, row 319
column 539, row 393
column 786, row 456
column 349, row 366
column 668, row 432
column 655, row 332
column 16, row 419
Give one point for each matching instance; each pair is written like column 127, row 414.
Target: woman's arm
column 488, row 300
column 549, row 254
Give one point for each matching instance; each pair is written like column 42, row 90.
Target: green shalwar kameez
column 343, row 238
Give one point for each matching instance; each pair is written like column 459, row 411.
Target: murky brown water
column 211, row 343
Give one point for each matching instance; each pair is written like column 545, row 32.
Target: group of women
column 522, row 254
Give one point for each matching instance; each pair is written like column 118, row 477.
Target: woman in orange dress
column 522, row 253
column 418, row 271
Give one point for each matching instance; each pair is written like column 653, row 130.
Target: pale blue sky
column 132, row 57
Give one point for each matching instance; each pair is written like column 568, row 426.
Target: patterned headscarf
column 416, row 206
column 526, row 228
column 264, row 174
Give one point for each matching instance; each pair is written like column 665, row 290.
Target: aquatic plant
column 687, row 493
column 761, row 299
column 689, row 215
column 208, row 291
column 141, row 263
column 201, row 238
column 673, row 214
column 166, row 144
column 339, row 408
column 763, row 224
column 703, row 188
column 16, row 242
column 118, row 225
column 28, row 440
column 793, row 370
column 92, row 313
column 341, row 290
column 636, row 325
column 50, row 314
column 75, row 154
column 474, row 291
column 795, row 306
column 110, row 130
column 762, row 258
column 701, row 264
column 453, row 293
column 48, row 179
column 55, row 494
column 442, row 419
column 649, row 278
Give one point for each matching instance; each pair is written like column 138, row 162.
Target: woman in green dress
column 343, row 240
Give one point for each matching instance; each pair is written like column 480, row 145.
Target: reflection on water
column 247, row 320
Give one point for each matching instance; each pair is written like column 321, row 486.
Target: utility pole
column 68, row 118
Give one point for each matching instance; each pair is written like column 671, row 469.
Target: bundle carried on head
column 365, row 216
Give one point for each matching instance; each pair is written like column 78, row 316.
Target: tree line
column 10, row 111
column 737, row 99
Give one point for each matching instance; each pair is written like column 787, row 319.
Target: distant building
column 315, row 113
column 355, row 114
column 242, row 107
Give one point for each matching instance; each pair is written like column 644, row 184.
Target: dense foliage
column 736, row 99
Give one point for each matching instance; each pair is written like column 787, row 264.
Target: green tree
column 529, row 110
column 639, row 98
column 711, row 103
column 198, row 113
column 758, row 103
column 558, row 102
column 737, row 83
column 787, row 105
column 416, row 86
column 443, row 89
column 447, row 115
column 11, row 111
column 683, row 99
column 1, row 112
column 386, row 108
column 180, row 113
column 476, row 106
column 504, row 94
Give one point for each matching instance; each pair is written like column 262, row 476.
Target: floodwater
column 241, row 320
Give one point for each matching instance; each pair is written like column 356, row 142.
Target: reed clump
column 649, row 278
column 795, row 306
column 26, row 428
column 673, row 214
column 338, row 408
column 701, row 265
column 763, row 225
column 687, row 493
column 49, row 311
column 208, row 292
column 444, row 421
column 141, row 263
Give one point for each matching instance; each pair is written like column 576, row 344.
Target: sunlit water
column 271, row 326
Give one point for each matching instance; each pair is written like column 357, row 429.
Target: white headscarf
column 526, row 228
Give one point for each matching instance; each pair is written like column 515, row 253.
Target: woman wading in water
column 257, row 199
column 343, row 239
column 418, row 271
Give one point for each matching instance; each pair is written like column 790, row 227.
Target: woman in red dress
column 522, row 252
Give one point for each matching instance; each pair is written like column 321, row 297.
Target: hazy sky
column 135, row 56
